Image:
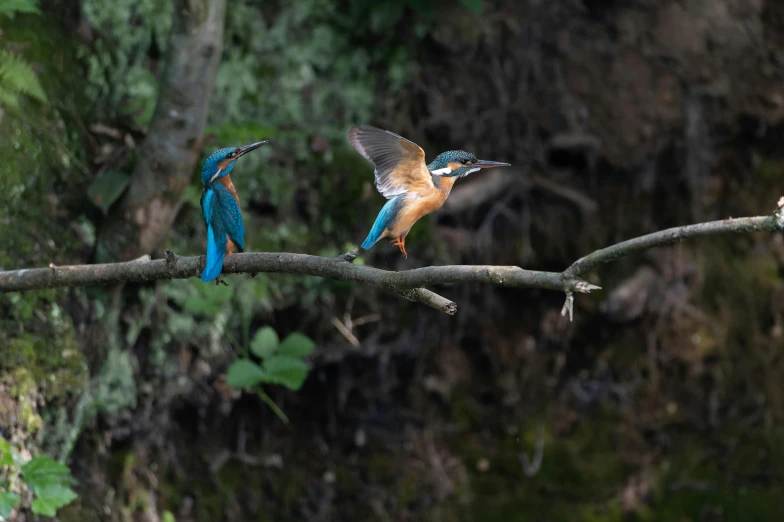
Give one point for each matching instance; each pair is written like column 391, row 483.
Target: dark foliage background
column 662, row 401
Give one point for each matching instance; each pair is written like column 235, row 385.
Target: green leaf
column 42, row 472
column 8, row 99
column 6, row 453
column 8, row 501
column 168, row 517
column 473, row 5
column 10, row 7
column 51, row 498
column 265, row 342
column 286, row 371
column 243, row 372
column 297, row 345
column 18, row 77
column 107, row 188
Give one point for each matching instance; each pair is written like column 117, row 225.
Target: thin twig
column 343, row 329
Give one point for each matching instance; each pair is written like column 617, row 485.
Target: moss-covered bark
column 170, row 151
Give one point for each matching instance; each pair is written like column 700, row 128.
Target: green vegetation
column 48, row 482
column 17, row 77
column 280, row 363
column 428, row 417
column 119, row 81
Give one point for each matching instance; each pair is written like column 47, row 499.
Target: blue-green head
column 220, row 162
column 459, row 163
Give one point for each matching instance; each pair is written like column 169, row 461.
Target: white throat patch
column 213, row 178
column 441, row 172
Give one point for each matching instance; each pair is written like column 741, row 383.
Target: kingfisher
column 414, row 189
column 221, row 208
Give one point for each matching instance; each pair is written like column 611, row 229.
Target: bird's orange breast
column 226, row 181
column 417, row 206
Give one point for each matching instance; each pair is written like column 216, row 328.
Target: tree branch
column 408, row 284
column 675, row 235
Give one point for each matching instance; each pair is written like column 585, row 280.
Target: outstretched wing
column 226, row 216
column 399, row 163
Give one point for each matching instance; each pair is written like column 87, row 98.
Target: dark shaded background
column 662, row 401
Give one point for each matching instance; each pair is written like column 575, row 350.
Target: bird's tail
column 214, row 262
column 384, row 220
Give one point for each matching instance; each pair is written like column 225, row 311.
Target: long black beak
column 253, row 146
column 484, row 164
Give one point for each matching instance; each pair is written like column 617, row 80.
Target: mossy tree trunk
column 168, row 155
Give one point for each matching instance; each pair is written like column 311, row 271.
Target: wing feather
column 227, row 216
column 400, row 166
column 216, row 238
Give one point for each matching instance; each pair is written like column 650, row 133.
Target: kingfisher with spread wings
column 414, row 189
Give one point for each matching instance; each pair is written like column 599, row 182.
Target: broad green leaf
column 107, row 188
column 243, row 372
column 6, row 453
column 168, row 517
column 473, row 5
column 8, row 501
column 42, row 472
column 286, row 371
column 264, row 343
column 51, row 498
column 297, row 345
column 10, row 7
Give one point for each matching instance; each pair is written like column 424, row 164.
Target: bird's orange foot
column 400, row 242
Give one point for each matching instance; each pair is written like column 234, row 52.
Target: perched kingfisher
column 221, row 208
column 413, row 188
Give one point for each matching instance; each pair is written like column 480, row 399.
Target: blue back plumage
column 384, row 220
column 224, row 220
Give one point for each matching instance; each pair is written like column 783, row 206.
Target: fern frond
column 10, row 7
column 8, row 99
column 18, row 77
